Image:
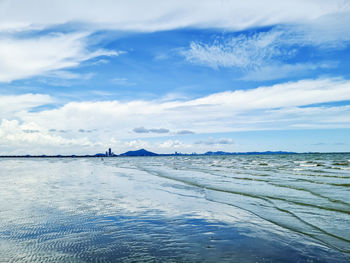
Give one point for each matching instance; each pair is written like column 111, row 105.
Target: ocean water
column 257, row 208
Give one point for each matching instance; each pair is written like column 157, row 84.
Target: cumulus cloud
column 136, row 144
column 290, row 105
column 18, row 138
column 30, row 131
column 219, row 112
column 174, row 144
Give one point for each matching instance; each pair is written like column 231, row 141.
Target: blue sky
column 174, row 76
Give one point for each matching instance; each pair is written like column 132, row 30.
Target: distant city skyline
column 144, row 152
column 186, row 76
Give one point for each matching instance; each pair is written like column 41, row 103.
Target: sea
column 241, row 208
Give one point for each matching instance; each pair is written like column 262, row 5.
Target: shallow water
column 257, row 208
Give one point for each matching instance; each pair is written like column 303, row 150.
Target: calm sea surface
column 258, row 208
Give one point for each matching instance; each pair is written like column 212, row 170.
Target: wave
column 272, row 193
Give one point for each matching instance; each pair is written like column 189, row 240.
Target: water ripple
column 288, row 208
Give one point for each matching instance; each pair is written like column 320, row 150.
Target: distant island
column 143, row 152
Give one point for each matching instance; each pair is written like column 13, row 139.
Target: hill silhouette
column 141, row 152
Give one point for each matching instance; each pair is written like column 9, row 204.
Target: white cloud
column 278, row 71
column 184, row 132
column 159, row 130
column 138, row 15
column 29, row 137
column 63, row 74
column 270, row 49
column 241, row 51
column 10, row 105
column 137, row 144
column 264, row 51
column 313, row 117
column 303, row 92
column 265, row 108
column 316, row 22
column 212, row 141
column 140, row 130
column 173, row 144
column 214, row 112
column 328, row 31
column 153, row 130
column 27, row 57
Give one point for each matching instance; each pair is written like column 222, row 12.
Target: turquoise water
column 259, row 208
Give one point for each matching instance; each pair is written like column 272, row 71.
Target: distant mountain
column 217, row 153
column 141, row 152
column 247, row 153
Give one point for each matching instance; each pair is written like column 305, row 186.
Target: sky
column 78, row 77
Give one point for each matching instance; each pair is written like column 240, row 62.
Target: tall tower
column 109, row 152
